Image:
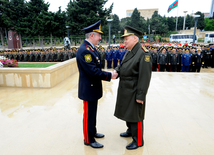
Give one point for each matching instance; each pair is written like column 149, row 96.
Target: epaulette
column 89, row 47
column 145, row 49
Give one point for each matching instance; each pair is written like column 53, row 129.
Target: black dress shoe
column 132, row 146
column 99, row 135
column 95, row 145
column 125, row 134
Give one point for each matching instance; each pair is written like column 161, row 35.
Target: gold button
column 92, row 85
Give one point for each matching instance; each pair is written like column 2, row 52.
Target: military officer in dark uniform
column 26, row 56
column 47, row 55
column 65, row 55
column 162, row 60
column 154, row 55
column 135, row 75
column 42, row 56
column 212, row 54
column 90, row 85
column 37, row 56
column 103, row 57
column 173, row 60
column 198, row 60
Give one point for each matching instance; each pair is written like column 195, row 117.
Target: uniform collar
column 90, row 43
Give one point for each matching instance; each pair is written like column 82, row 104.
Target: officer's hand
column 114, row 74
column 139, row 101
column 169, row 63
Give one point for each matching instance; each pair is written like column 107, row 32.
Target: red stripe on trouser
column 140, row 133
column 85, row 122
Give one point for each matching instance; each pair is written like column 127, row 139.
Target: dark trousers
column 193, row 68
column 206, row 63
column 198, row 68
column 136, row 130
column 108, row 64
column 185, row 68
column 103, row 64
column 115, row 63
column 154, row 67
column 89, row 121
column 173, row 68
column 179, row 68
column 162, row 68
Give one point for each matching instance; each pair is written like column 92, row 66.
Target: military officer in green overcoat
column 135, row 74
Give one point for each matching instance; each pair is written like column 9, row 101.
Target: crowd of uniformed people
column 165, row 57
column 40, row 55
column 181, row 58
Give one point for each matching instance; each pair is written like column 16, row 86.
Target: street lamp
column 153, row 35
column 119, row 36
column 196, row 20
column 67, row 27
column 109, row 23
column 184, row 19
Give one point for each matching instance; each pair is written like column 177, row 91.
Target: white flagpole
column 176, row 28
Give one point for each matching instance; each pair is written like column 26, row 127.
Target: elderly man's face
column 96, row 38
column 129, row 41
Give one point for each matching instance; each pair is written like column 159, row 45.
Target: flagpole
column 176, row 28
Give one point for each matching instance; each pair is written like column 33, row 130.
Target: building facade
column 146, row 13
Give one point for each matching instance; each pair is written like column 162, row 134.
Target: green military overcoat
column 135, row 75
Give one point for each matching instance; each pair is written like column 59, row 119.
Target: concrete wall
column 37, row 77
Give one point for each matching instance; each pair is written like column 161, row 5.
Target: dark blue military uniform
column 109, row 58
column 186, row 61
column 121, row 55
column 115, row 57
column 90, row 85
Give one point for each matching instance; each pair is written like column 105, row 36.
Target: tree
column 82, row 13
column 189, row 21
column 209, row 24
column 180, row 23
column 18, row 17
column 35, row 7
column 201, row 24
column 4, row 6
column 171, row 22
column 123, row 23
column 136, row 20
column 115, row 25
column 60, row 24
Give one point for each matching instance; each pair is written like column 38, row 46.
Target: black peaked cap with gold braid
column 128, row 30
column 96, row 27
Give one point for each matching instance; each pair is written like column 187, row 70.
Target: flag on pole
column 172, row 6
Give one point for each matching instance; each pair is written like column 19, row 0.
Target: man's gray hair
column 136, row 36
column 87, row 35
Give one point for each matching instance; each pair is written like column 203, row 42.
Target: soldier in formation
column 40, row 55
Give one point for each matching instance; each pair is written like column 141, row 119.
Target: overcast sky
column 120, row 6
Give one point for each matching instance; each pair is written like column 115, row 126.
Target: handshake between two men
column 114, row 74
